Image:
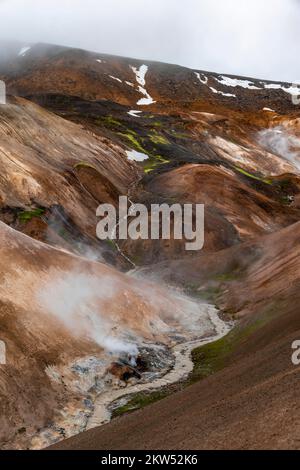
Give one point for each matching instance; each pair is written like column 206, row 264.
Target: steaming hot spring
column 94, row 331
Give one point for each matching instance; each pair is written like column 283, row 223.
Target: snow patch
column 229, row 95
column 293, row 90
column 224, row 80
column 135, row 156
column 116, row 78
column 24, row 50
column 145, row 101
column 234, row 82
column 134, row 113
column 140, row 75
column 201, row 77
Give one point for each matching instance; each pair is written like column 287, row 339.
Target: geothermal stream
column 182, row 367
column 99, row 409
column 199, row 326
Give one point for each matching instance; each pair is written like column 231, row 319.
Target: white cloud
column 246, row 37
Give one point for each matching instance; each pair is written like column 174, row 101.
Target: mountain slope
column 43, row 68
column 68, row 140
column 250, row 401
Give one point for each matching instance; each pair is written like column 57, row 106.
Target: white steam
column 278, row 141
column 76, row 300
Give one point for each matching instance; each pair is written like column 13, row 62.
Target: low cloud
column 75, row 300
column 251, row 38
column 280, row 142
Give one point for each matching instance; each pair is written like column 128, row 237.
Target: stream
column 97, row 410
column 182, row 367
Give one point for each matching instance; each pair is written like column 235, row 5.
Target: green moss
column 254, row 177
column 140, row 400
column 26, row 216
column 154, row 162
column 130, row 136
column 212, row 357
column 158, row 139
column 108, row 121
column 180, row 135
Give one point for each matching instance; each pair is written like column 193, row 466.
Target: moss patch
column 140, row 400
column 158, row 139
column 254, row 177
column 212, row 357
column 26, row 216
column 130, row 136
column 154, row 162
column 108, row 121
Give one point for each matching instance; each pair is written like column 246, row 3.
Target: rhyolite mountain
column 71, row 135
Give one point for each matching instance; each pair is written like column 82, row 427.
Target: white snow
column 224, row 80
column 99, row 60
column 222, row 93
column 234, row 82
column 116, row 78
column 134, row 113
column 147, row 100
column 135, row 156
column 293, row 90
column 24, row 50
column 130, row 84
column 140, row 75
column 269, row 109
column 201, row 77
column 273, row 86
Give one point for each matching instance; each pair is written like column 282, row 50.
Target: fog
column 277, row 140
column 247, row 37
column 74, row 300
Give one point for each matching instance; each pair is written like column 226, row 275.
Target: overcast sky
column 258, row 38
